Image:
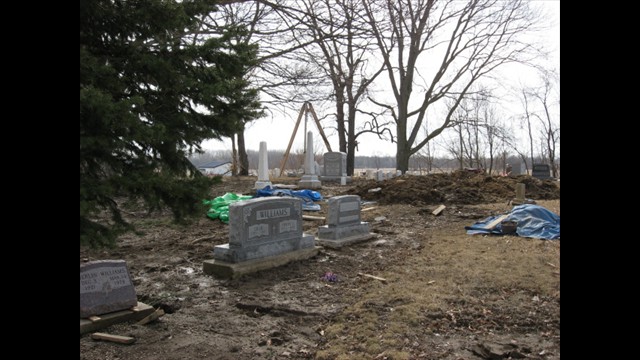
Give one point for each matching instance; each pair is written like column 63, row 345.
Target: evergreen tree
column 149, row 95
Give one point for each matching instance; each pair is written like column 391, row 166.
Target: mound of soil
column 460, row 187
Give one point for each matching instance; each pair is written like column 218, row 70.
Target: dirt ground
column 443, row 294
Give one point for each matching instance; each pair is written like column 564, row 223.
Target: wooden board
column 495, row 222
column 141, row 311
column 310, row 217
column 153, row 317
column 113, row 338
column 438, row 210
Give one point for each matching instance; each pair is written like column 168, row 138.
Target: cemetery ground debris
column 447, row 295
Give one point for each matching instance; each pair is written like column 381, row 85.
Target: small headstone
column 520, row 189
column 398, row 172
column 263, row 233
column 105, row 287
column 371, row 175
column 343, row 223
column 309, row 180
column 379, row 175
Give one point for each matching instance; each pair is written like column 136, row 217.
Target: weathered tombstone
column 105, row 287
column 263, row 167
column 398, row 172
column 371, row 175
column 541, row 171
column 309, row 180
column 520, row 189
column 335, row 167
column 263, row 233
column 343, row 223
column 379, row 175
column 517, row 169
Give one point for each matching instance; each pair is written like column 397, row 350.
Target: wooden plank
column 495, row 222
column 370, row 208
column 142, row 310
column 309, row 217
column 113, row 338
column 152, row 317
column 373, row 277
column 94, row 318
column 438, row 210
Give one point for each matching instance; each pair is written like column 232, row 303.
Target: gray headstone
column 343, row 223
column 335, row 167
column 344, row 209
column 263, row 227
column 541, row 171
column 335, row 164
column 105, row 286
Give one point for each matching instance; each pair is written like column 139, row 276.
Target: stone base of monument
column 338, row 179
column 229, row 270
column 309, row 182
column 339, row 236
column 98, row 322
column 259, row 185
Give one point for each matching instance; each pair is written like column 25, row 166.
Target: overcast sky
column 277, row 132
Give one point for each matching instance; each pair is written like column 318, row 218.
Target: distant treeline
column 296, row 161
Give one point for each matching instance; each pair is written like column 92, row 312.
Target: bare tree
column 277, row 75
column 550, row 128
column 342, row 53
column 471, row 39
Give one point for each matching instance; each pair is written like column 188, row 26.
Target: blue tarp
column 534, row 221
column 308, row 196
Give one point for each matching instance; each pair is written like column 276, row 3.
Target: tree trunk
column 243, row 159
column 351, row 143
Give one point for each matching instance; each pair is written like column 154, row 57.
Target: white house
column 216, row 168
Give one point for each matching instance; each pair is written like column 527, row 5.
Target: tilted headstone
column 263, row 227
column 309, row 180
column 105, row 287
column 343, row 223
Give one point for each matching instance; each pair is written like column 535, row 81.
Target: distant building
column 216, row 168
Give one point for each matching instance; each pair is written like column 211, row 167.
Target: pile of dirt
column 460, row 187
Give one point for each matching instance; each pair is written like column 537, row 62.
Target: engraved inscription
column 272, row 213
column 258, row 230
column 349, row 206
column 288, row 226
column 103, row 279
